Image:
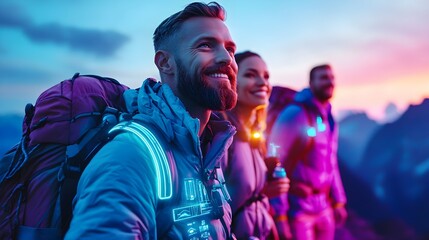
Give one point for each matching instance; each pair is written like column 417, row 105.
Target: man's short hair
column 239, row 57
column 318, row 67
column 169, row 26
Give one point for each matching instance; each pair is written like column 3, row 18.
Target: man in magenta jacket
column 307, row 136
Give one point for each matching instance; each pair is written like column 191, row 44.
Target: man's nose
column 224, row 56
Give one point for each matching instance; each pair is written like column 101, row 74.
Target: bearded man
column 159, row 178
column 307, row 136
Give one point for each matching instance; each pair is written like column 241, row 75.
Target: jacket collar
column 157, row 105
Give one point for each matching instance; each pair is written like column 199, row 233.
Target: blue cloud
column 100, row 43
column 97, row 42
column 13, row 16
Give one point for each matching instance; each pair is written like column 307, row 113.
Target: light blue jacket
column 117, row 193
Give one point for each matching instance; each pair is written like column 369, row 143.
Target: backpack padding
column 30, row 179
column 67, row 110
column 160, row 161
column 280, row 98
column 25, row 198
column 77, row 158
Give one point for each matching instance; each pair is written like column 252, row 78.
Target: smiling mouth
column 219, row 75
column 263, row 94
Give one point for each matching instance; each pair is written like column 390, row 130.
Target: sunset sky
column 379, row 49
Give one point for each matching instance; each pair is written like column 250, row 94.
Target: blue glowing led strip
column 162, row 168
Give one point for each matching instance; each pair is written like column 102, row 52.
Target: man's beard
column 322, row 94
column 197, row 88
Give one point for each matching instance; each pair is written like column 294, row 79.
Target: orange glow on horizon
column 373, row 97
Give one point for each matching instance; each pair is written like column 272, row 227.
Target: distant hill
column 355, row 131
column 396, row 164
column 369, row 217
column 10, row 131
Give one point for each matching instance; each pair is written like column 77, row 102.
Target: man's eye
column 266, row 77
column 231, row 50
column 204, row 45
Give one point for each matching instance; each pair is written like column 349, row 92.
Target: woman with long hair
column 245, row 172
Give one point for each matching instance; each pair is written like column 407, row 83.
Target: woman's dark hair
column 239, row 57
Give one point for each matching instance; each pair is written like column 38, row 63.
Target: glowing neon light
column 321, row 127
column 162, row 167
column 311, row 132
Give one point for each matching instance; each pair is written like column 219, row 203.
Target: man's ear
column 164, row 62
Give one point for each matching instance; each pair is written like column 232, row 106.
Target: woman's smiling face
column 253, row 87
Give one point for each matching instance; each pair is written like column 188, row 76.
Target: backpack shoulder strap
column 156, row 151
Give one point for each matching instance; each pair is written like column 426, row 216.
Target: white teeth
column 261, row 93
column 219, row 75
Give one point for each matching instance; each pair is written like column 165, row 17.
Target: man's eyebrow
column 231, row 44
column 214, row 39
column 205, row 38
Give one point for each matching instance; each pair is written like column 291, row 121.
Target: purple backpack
column 280, row 98
column 61, row 133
